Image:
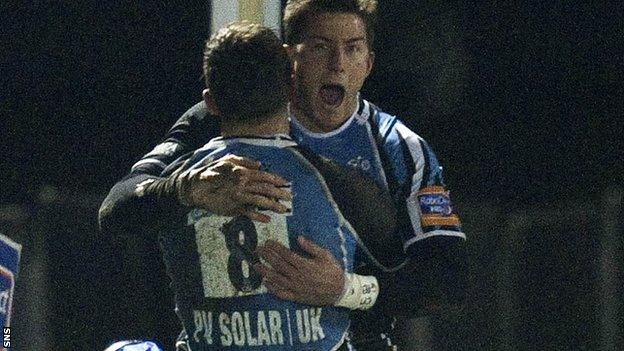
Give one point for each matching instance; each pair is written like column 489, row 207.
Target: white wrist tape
column 359, row 293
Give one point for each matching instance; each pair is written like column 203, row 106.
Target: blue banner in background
column 9, row 260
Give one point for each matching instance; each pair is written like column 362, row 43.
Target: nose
column 337, row 60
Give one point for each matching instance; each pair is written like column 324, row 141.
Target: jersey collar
column 277, row 140
column 361, row 113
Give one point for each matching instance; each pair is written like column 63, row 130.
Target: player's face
column 330, row 66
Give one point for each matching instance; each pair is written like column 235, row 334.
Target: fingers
column 241, row 161
column 245, row 169
column 245, row 180
column 242, row 170
column 279, row 266
column 256, row 216
column 282, row 256
column 312, row 249
column 276, row 283
column 230, row 161
column 261, row 202
column 295, row 278
column 274, row 277
column 227, row 187
column 255, row 176
column 268, row 190
column 280, row 292
column 277, row 263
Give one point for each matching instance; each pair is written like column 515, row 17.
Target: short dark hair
column 297, row 12
column 247, row 71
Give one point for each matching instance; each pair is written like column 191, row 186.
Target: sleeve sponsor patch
column 436, row 208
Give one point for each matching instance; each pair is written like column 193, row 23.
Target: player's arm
column 428, row 284
column 131, row 206
column 435, row 277
column 316, row 277
column 143, row 200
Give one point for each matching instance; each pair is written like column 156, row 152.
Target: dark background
column 522, row 102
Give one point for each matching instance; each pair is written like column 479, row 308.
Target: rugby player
column 220, row 299
column 329, row 43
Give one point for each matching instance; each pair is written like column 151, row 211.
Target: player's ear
column 210, row 102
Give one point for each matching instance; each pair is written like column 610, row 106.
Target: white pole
column 272, row 10
column 265, row 12
column 222, row 13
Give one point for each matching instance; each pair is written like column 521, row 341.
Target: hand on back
column 233, row 186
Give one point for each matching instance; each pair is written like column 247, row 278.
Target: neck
column 322, row 122
column 275, row 124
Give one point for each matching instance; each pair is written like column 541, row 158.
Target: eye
column 353, row 48
column 320, row 46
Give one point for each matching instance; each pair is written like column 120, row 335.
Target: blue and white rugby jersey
column 397, row 159
column 220, row 299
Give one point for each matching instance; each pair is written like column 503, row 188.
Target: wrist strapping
column 360, row 292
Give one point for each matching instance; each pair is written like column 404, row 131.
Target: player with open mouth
column 332, row 95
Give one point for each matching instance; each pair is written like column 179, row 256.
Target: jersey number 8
column 241, row 240
column 226, row 247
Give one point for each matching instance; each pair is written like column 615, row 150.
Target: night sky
column 521, row 102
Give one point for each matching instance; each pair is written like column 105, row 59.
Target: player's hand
column 317, row 280
column 233, row 186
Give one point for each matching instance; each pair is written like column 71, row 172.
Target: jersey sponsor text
column 258, row 328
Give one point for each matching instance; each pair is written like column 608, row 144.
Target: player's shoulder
column 391, row 128
column 210, row 151
column 298, row 164
column 196, row 115
column 194, row 128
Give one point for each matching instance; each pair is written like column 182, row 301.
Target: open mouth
column 332, row 94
